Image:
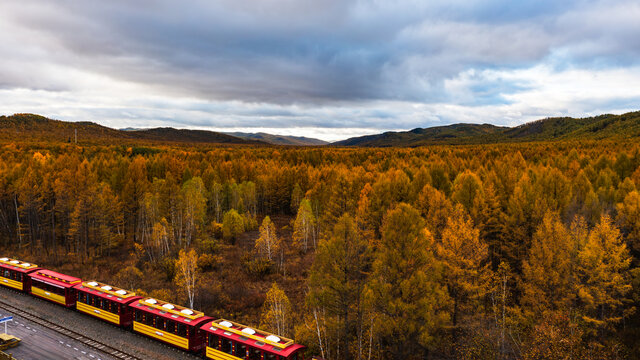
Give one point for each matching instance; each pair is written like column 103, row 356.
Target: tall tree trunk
column 15, row 201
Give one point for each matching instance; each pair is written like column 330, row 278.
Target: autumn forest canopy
column 504, row 251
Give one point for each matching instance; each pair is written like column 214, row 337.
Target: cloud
column 303, row 64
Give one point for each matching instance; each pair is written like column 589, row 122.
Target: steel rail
column 92, row 343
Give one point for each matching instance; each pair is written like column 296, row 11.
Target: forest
column 503, row 251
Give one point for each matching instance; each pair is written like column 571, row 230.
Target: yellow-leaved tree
column 404, row 289
column 629, row 219
column 603, row 265
column 303, row 233
column 187, row 273
column 268, row 244
column 276, row 312
column 465, row 260
column 232, row 225
column 337, row 281
column 548, row 273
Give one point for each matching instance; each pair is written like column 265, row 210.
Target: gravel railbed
column 124, row 340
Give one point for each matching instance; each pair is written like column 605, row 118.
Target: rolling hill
column 451, row 134
column 623, row 126
column 32, row 127
column 279, row 139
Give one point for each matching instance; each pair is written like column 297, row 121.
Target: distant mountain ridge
column 279, row 139
column 607, row 126
column 40, row 128
column 456, row 133
column 30, row 127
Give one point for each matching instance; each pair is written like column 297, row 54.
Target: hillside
column 279, row 139
column 450, row 134
column 30, row 127
column 549, row 129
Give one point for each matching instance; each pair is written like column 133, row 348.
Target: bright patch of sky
column 327, row 69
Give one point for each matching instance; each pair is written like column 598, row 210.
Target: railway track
column 92, row 343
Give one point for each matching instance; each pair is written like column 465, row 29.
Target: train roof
column 256, row 338
column 18, row 265
column 55, row 278
column 107, row 291
column 170, row 311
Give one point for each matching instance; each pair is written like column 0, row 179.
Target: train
column 177, row 326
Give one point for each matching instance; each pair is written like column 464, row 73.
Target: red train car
column 172, row 324
column 227, row 340
column 13, row 274
column 106, row 302
column 54, row 286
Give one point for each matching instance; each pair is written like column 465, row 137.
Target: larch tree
column 303, row 227
column 604, row 285
column 337, row 281
column 467, row 190
column 548, row 273
column 187, row 273
column 629, row 219
column 134, row 188
column 404, row 289
column 276, row 312
column 465, row 260
column 435, row 208
column 268, row 244
column 491, row 225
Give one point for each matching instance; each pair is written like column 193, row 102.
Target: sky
column 329, row 69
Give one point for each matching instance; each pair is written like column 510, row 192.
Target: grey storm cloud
column 314, row 62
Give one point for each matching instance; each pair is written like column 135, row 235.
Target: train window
column 294, row 357
column 182, row 330
column 213, row 341
column 171, row 326
column 6, row 273
column 255, row 354
column 271, row 357
column 226, row 346
column 160, row 323
column 241, row 350
column 138, row 316
column 20, row 277
column 151, row 320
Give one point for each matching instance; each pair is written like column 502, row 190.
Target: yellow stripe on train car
column 219, row 355
column 161, row 335
column 51, row 296
column 100, row 313
column 11, row 283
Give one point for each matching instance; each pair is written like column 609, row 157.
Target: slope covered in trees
column 506, row 251
column 30, row 127
column 550, row 129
